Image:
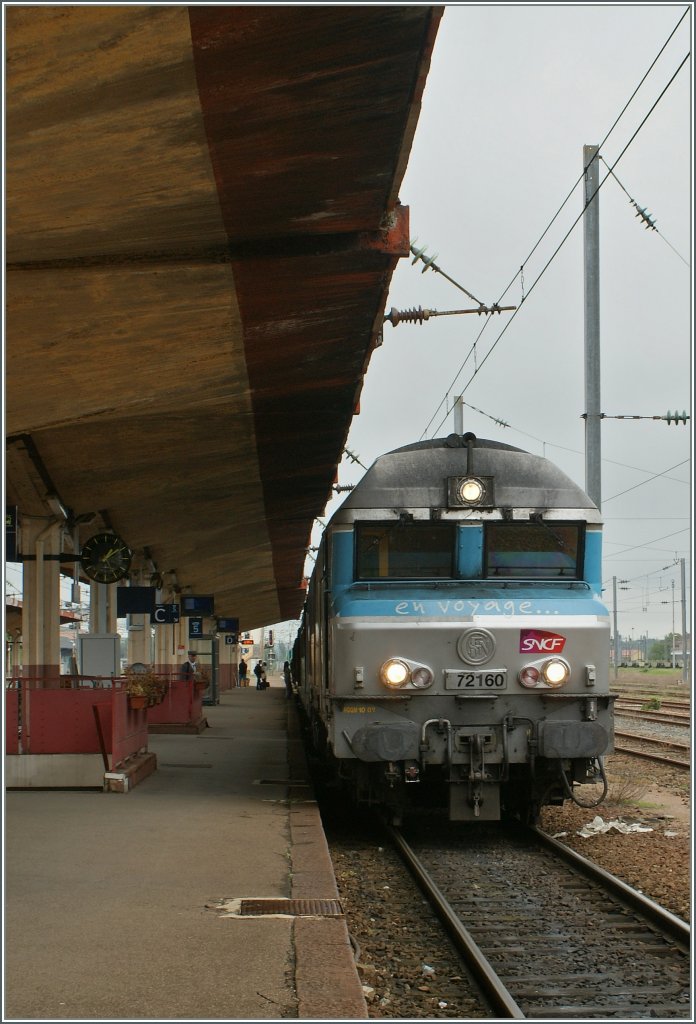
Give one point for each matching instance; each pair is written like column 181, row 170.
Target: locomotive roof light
column 397, row 673
column 471, row 491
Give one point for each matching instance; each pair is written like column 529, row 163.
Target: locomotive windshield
column 400, row 551
column 537, row 550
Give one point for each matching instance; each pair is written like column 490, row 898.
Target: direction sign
column 164, row 614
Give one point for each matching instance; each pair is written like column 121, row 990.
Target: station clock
column 105, row 558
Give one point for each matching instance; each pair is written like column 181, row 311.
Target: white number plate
column 468, row 682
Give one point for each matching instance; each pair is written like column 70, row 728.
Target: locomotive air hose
column 571, row 795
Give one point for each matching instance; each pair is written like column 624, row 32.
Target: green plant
column 145, row 684
column 654, row 704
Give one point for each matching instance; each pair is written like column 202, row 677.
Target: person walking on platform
column 258, row 672
column 191, row 667
column 287, row 677
column 264, row 678
column 242, row 678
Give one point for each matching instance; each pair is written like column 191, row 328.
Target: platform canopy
column 202, row 220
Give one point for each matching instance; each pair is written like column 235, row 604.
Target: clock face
column 105, row 558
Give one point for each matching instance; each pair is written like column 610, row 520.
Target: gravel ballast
column 408, row 966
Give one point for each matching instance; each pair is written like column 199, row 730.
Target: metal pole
column 685, row 651
column 616, row 635
column 459, row 415
column 674, row 653
column 593, row 419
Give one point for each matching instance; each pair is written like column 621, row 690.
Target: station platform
column 125, row 906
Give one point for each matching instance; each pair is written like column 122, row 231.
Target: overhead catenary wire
column 647, row 543
column 472, row 350
column 655, row 477
column 576, row 451
column 642, row 212
column 558, row 248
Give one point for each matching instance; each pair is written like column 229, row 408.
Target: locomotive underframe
column 506, row 764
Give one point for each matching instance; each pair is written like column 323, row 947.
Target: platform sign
column 197, row 604
column 228, row 625
column 230, row 639
column 164, row 614
column 195, row 628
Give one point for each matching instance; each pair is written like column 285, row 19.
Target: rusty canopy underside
column 202, row 222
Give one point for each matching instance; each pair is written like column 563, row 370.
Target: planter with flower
column 144, row 687
column 201, row 682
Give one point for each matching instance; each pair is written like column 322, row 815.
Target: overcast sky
column 513, row 95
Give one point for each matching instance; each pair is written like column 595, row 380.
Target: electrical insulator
column 408, row 316
column 678, row 417
column 645, row 216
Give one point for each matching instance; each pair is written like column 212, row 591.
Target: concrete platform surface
column 113, row 901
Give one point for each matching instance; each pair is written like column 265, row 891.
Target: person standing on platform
column 242, row 679
column 287, row 677
column 258, row 672
column 191, row 667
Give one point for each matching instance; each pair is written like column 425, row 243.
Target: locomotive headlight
column 394, row 673
column 471, row 491
column 400, row 673
column 555, row 672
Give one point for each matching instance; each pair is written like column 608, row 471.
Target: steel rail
column 673, row 762
column 650, row 716
column 656, row 740
column 668, row 923
column 500, row 998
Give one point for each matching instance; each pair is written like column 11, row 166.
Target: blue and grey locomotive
column 454, row 649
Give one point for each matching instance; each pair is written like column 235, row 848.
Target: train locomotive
column 453, row 652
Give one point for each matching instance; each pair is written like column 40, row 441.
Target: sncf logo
column 540, row 641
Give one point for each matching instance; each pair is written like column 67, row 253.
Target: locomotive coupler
column 392, row 774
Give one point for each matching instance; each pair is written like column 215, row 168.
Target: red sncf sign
column 540, row 641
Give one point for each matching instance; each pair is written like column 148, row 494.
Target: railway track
column 673, row 718
column 546, row 933
column 640, row 702
column 649, row 747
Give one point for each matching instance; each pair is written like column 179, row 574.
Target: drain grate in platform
column 172, row 764
column 280, row 782
column 293, row 908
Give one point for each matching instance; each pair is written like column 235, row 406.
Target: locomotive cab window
column 542, row 550
column 404, row 551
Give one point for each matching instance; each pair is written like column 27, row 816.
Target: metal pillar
column 41, row 597
column 686, row 660
column 459, row 415
column 617, row 639
column 593, row 417
column 102, row 608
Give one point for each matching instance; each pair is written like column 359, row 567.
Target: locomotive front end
column 484, row 710
column 460, row 651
